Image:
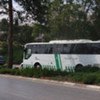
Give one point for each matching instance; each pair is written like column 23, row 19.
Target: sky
column 15, row 5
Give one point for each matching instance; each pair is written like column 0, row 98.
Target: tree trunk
column 10, row 36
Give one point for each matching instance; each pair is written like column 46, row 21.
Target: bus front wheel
column 37, row 65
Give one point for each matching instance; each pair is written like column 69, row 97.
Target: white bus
column 62, row 54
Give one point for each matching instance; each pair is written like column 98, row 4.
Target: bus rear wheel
column 78, row 67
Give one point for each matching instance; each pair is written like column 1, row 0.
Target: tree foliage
column 59, row 19
column 68, row 21
column 3, row 6
column 35, row 9
column 96, row 20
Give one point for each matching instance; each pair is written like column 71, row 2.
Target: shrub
column 37, row 72
column 87, row 68
column 51, row 72
column 16, row 72
column 91, row 68
column 5, row 71
column 90, row 79
column 77, row 77
column 80, row 77
column 17, row 54
column 28, row 72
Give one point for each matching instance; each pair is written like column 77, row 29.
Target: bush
column 90, row 79
column 37, row 73
column 28, row 72
column 77, row 77
column 5, row 71
column 87, row 68
column 80, row 77
column 17, row 52
column 52, row 73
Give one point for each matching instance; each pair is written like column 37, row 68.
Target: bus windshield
column 27, row 53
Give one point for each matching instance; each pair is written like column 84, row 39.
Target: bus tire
column 37, row 66
column 78, row 67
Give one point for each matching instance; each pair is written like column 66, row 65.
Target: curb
column 83, row 86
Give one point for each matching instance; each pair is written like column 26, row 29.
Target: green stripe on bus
column 58, row 61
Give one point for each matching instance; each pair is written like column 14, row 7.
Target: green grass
column 89, row 76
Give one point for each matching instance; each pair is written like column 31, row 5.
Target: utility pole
column 10, row 36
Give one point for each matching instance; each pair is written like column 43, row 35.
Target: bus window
column 35, row 49
column 96, row 48
column 66, row 48
column 58, row 48
column 27, row 53
column 80, row 49
column 50, row 50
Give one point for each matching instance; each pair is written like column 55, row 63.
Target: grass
column 86, row 76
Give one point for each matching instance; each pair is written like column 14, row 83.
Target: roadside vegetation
column 85, row 75
column 17, row 52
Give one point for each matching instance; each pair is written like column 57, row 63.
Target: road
column 25, row 89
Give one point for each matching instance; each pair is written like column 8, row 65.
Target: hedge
column 85, row 77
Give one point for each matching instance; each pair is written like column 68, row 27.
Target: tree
column 3, row 29
column 35, row 9
column 40, row 32
column 10, row 36
column 68, row 21
column 4, row 25
column 3, row 6
column 6, row 6
column 95, row 18
column 24, row 34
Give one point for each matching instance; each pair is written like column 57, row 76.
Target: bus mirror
column 25, row 50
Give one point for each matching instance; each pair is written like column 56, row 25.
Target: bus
column 61, row 54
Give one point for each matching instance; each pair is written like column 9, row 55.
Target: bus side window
column 72, row 51
column 46, row 49
column 36, row 52
column 58, row 48
column 80, row 49
column 96, row 48
column 66, row 48
column 51, row 50
column 34, row 49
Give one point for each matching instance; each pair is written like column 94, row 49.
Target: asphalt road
column 23, row 89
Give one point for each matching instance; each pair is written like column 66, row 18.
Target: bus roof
column 65, row 41
column 74, row 41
